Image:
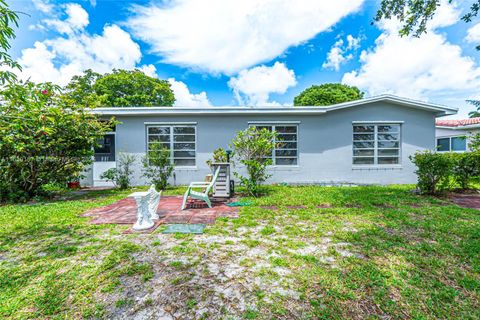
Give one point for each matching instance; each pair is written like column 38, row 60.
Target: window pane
column 286, row 153
column 269, row 128
column 363, row 128
column 184, row 138
column 180, row 130
column 286, row 129
column 184, row 162
column 363, row 152
column 184, row 154
column 388, row 144
column 360, row 137
column 159, row 130
column 184, row 146
column 286, row 161
column 165, row 145
column 287, row 137
column 158, row 138
column 393, row 136
column 370, row 144
column 388, row 152
column 459, row 144
column 286, row 145
column 389, row 128
column 443, row 144
column 363, row 160
column 388, row 160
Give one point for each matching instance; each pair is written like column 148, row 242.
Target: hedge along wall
column 439, row 172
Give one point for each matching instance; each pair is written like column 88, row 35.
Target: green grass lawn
column 298, row 252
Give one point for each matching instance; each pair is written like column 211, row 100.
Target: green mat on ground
column 184, row 228
column 239, row 204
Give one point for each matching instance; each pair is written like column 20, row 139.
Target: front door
column 104, row 160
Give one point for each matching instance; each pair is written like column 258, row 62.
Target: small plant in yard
column 253, row 148
column 157, row 166
column 121, row 175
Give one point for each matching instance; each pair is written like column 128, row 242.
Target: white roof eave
column 439, row 110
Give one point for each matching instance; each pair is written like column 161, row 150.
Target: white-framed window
column 179, row 139
column 456, row 144
column 285, row 152
column 376, row 144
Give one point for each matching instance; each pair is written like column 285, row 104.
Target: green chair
column 200, row 195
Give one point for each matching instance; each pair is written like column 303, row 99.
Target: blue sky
column 251, row 52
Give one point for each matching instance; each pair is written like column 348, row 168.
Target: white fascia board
column 137, row 111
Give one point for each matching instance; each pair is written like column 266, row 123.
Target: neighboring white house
column 454, row 135
column 367, row 141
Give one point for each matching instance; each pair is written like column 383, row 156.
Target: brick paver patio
column 125, row 212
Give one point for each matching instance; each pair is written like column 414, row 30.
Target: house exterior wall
column 324, row 143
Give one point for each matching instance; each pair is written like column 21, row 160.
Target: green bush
column 466, row 167
column 433, row 171
column 121, row 175
column 157, row 166
column 444, row 171
column 254, row 148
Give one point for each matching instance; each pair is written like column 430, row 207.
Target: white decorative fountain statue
column 147, row 204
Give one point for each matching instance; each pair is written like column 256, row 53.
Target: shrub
column 157, row 166
column 42, row 142
column 254, row 148
column 474, row 144
column 433, row 170
column 121, row 175
column 466, row 167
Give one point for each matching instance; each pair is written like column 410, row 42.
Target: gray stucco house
column 366, row 141
column 454, row 135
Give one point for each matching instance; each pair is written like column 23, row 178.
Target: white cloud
column 228, row 36
column 43, row 6
column 473, row 34
column 59, row 58
column 428, row 67
column 254, row 86
column 338, row 53
column 149, row 69
column 184, row 98
column 76, row 20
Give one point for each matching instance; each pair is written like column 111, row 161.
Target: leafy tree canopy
column 8, row 20
column 476, row 104
column 121, row 88
column 327, row 94
column 415, row 14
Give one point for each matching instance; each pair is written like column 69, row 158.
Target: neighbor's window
column 285, row 152
column 376, row 144
column 179, row 139
column 447, row 144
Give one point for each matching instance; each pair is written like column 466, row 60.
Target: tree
column 415, row 14
column 8, row 20
column 254, row 148
column 121, row 88
column 42, row 142
column 475, row 113
column 327, row 94
column 79, row 91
